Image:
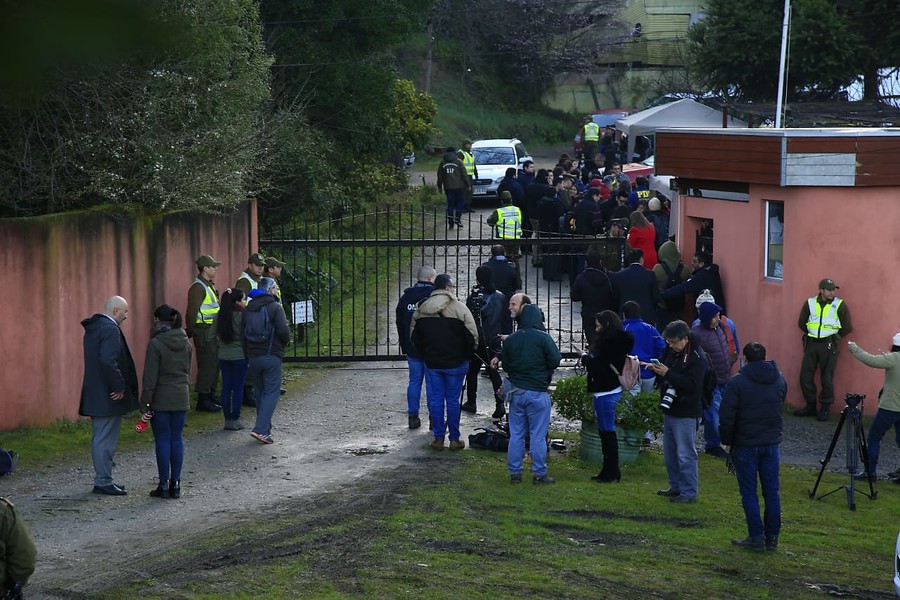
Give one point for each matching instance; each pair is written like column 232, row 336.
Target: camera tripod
column 851, row 420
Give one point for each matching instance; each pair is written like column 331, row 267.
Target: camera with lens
column 668, row 399
column 476, row 301
column 853, row 400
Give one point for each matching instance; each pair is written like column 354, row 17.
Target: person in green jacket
column 166, row 396
column 17, row 549
column 529, row 358
column 232, row 362
column 888, row 414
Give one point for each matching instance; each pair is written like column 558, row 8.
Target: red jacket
column 644, row 238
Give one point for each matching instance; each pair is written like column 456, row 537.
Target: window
column 774, row 239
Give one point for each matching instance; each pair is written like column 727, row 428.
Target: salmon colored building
column 781, row 209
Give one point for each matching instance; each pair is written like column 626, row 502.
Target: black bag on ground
column 8, row 460
column 490, row 438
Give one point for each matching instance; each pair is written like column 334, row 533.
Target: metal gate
column 344, row 277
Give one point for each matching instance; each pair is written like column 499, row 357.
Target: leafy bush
column 573, row 401
column 640, row 412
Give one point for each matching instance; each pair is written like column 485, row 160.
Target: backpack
column 8, row 460
column 257, row 328
column 490, row 438
column 672, row 279
column 631, row 372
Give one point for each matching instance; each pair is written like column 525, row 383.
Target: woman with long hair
column 604, row 360
column 166, row 395
column 642, row 234
column 232, row 362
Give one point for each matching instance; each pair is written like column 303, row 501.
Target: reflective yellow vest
column 509, row 222
column 468, row 162
column 253, row 283
column 591, row 132
column 823, row 320
column 210, row 305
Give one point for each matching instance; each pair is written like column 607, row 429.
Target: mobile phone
column 655, row 361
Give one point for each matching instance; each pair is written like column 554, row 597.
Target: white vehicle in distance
column 492, row 158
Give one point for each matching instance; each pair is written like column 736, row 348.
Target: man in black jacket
column 596, row 291
column 705, row 276
column 750, row 425
column 405, row 309
column 637, row 284
column 534, row 191
column 506, row 279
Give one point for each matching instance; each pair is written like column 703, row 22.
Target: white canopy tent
column 682, row 113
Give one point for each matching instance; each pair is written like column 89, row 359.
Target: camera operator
column 680, row 377
column 487, row 306
column 888, row 414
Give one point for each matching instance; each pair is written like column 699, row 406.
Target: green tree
column 737, row 50
column 155, row 105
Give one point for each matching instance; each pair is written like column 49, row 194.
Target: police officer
column 508, row 222
column 468, row 161
column 202, row 306
column 273, row 269
column 17, row 549
column 590, row 139
column 824, row 320
column 249, row 277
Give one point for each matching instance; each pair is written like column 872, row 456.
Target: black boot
column 207, row 403
column 808, row 411
column 175, row 488
column 162, row 490
column 500, row 411
column 610, row 446
column 468, row 406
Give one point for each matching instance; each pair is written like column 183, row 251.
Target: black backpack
column 257, row 327
column 672, row 279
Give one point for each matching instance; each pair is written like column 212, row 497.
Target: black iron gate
column 343, row 278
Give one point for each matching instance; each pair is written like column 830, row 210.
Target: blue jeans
column 234, row 373
column 414, row 388
column 680, row 453
column 528, row 411
column 605, row 409
column 443, row 388
column 265, row 375
column 711, row 420
column 748, row 462
column 456, row 202
column 884, row 420
column 167, row 433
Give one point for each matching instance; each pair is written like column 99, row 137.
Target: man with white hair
column 109, row 389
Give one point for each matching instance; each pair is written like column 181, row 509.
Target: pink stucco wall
column 847, row 234
column 60, row 269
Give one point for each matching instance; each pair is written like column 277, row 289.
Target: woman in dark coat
column 608, row 352
column 166, row 396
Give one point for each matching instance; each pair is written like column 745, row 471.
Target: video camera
column 475, row 302
column 853, row 400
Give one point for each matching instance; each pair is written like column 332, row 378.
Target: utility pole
column 429, row 44
column 782, row 64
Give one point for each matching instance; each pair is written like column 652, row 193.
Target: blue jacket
column 108, row 367
column 404, row 312
column 648, row 343
column 529, row 355
column 751, row 413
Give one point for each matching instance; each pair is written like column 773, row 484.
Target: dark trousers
column 822, row 356
column 481, row 357
column 206, row 351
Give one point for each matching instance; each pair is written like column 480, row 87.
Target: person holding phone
column 648, row 344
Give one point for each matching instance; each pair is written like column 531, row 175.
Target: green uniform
column 16, row 548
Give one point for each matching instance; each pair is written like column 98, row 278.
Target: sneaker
column 450, row 225
column 808, row 411
column 228, row 425
column 437, row 444
column 264, row 438
column 754, row 544
column 414, row 422
column 457, row 444
column 542, row 479
column 468, row 407
column 679, row 499
column 863, row 476
column 771, row 543
column 515, row 478
column 668, row 492
column 238, row 425
column 459, row 223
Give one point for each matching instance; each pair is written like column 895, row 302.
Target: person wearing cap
column 824, row 321
column 660, row 221
column 730, row 328
column 669, row 272
column 273, row 269
column 888, row 414
column 613, row 246
column 507, row 223
column 202, row 306
column 249, row 277
column 468, row 161
column 453, row 181
column 710, row 333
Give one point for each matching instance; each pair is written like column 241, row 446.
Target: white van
column 492, row 158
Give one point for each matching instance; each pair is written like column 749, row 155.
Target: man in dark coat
column 705, row 276
column 751, row 426
column 534, row 192
column 638, row 284
column 505, row 278
column 596, row 291
column 109, row 389
column 405, row 309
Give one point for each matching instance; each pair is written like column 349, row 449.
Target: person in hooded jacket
column 166, row 394
column 232, row 362
column 710, row 333
column 680, row 375
column 669, row 272
column 609, row 351
column 529, row 358
column 595, row 289
column 751, row 426
column 109, row 389
column 444, row 331
column 406, row 306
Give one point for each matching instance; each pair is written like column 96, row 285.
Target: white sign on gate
column 302, row 312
